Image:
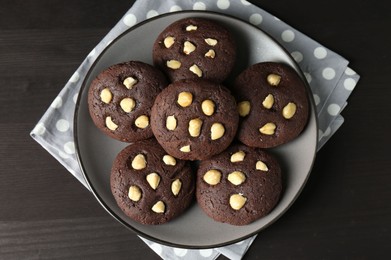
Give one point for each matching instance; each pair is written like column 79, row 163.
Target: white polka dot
column 297, row 56
column 256, row 19
column 223, row 4
column 130, row 20
column 316, row 99
column 75, row 98
column 320, row 53
column 199, row 6
column 57, row 102
column 328, row 73
column 175, row 8
column 157, row 248
column 152, row 13
column 62, row 125
column 39, row 129
column 64, row 155
column 69, row 147
column 244, row 2
column 333, row 109
column 276, row 18
column 349, row 72
column 349, row 84
column 308, row 77
column 180, row 251
column 288, row 36
column 206, row 252
column 327, row 132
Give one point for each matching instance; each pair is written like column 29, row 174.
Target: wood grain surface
column 45, row 213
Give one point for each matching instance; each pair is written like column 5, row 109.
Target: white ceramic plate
column 193, row 229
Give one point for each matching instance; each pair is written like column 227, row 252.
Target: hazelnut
column 261, row 166
column 273, row 79
column 169, row 160
column 185, row 149
column 238, row 156
column 185, row 99
column 171, row 123
column 188, row 47
column 236, row 178
column 268, row 129
column 196, row 70
column 268, row 101
column 289, row 110
column 142, row 121
column 244, row 108
column 159, row 207
column 173, row 64
column 210, row 54
column 106, row 96
column 208, row 107
column 176, row 187
column 195, row 127
column 129, row 82
column 110, row 124
column 237, row 201
column 168, row 41
column 212, row 177
column 127, row 104
column 139, row 162
column 134, row 193
column 210, row 41
column 191, row 28
column 217, row 131
column 153, row 179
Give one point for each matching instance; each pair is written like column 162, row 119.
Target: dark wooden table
column 45, row 213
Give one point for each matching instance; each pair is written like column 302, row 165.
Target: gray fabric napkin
column 328, row 74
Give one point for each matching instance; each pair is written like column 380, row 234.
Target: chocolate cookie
column 195, row 48
column 273, row 104
column 194, row 119
column 120, row 99
column 238, row 186
column 149, row 185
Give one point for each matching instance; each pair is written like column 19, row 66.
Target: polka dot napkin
column 328, row 74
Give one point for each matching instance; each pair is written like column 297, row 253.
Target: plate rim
column 96, row 193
